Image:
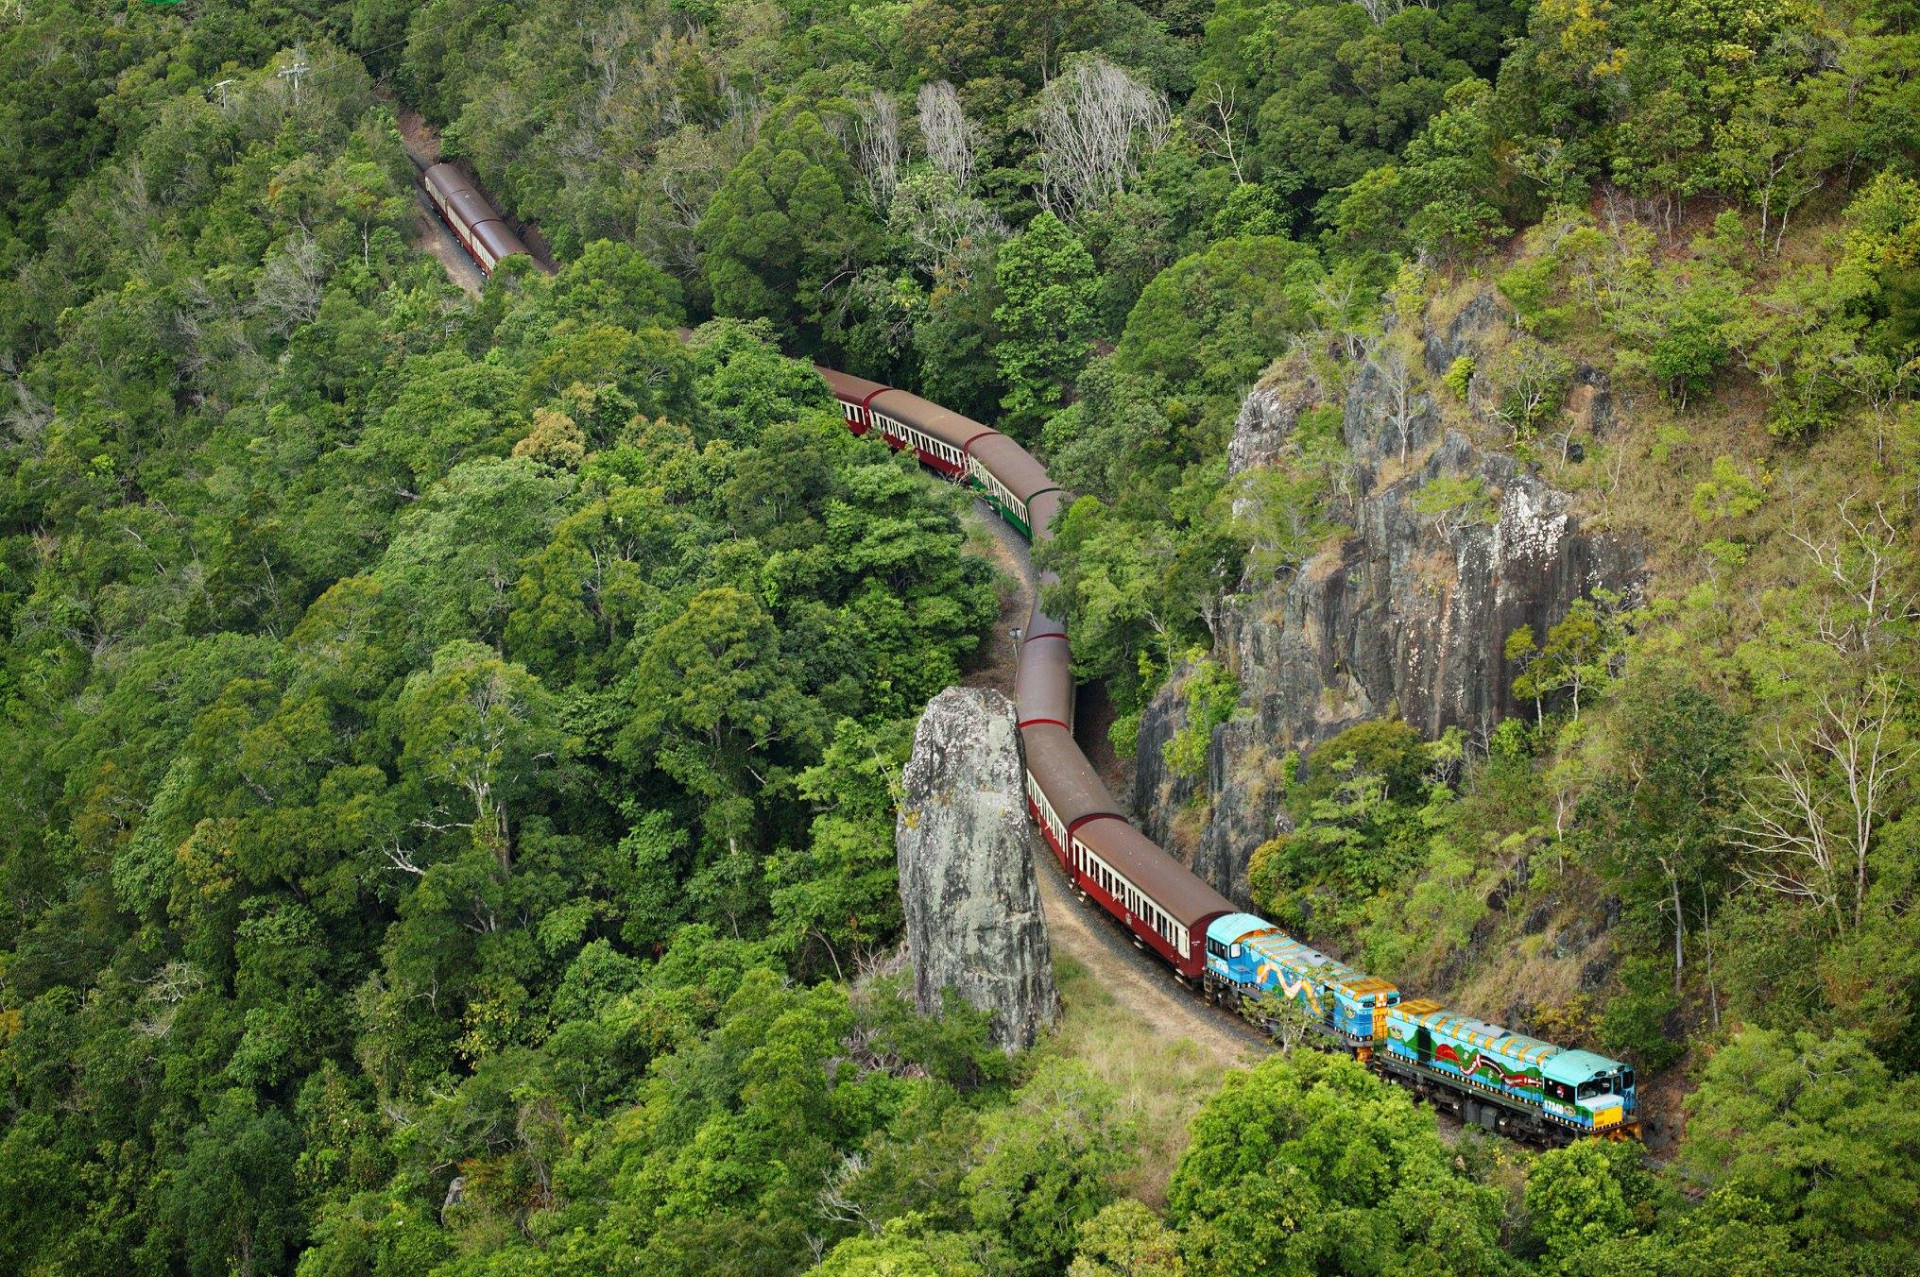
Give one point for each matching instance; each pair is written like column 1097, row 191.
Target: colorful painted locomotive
column 1565, row 1093
column 1497, row 1079
column 1248, row 956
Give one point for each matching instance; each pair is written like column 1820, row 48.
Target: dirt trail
column 421, row 139
column 1139, row 983
column 1008, row 553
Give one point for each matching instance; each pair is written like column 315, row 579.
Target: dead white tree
column 1394, row 365
column 1378, row 11
column 877, row 151
column 836, row 1200
column 290, row 286
column 1340, row 309
column 1217, row 124
column 952, row 140
column 1865, row 565
column 168, row 987
column 1093, row 124
column 1811, row 819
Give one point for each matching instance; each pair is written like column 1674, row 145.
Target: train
column 1488, row 1076
column 481, row 230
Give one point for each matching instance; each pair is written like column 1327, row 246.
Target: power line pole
column 222, row 87
column 295, row 71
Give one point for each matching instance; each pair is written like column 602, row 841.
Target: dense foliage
column 451, row 739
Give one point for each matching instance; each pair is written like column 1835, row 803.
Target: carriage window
column 1235, row 951
column 1626, row 1080
column 1560, row 1091
column 1598, row 1086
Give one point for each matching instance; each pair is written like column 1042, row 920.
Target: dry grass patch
column 1161, row 1084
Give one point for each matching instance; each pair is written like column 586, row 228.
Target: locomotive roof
column 1277, row 946
column 1065, row 775
column 1012, row 465
column 1043, row 680
column 1234, row 926
column 1154, row 873
column 1575, row 1067
column 1477, row 1033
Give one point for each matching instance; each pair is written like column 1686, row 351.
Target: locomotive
column 1502, row 1081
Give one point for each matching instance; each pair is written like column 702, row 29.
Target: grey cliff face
column 1407, row 617
column 965, row 851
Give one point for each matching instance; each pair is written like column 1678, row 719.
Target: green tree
column 1127, row 1240
column 1578, row 658
column 1585, row 1195
column 710, row 695
column 234, row 1203
column 842, row 892
column 483, row 728
column 1663, row 806
column 785, row 228
column 1047, row 1167
column 1046, row 317
column 1307, row 1163
column 1818, row 1130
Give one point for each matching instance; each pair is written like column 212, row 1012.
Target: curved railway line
column 1503, row 1081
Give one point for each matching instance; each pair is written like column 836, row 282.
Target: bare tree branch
column 952, row 140
column 1092, row 124
column 877, row 152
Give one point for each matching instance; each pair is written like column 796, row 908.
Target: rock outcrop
column 965, row 850
column 1407, row 616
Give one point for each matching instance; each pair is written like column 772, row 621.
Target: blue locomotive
column 1503, row 1081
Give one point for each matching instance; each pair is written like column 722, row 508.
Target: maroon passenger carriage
column 1159, row 899
column 854, row 394
column 1063, row 791
column 481, row 231
column 938, row 436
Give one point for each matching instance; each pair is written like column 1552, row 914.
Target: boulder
column 965, row 850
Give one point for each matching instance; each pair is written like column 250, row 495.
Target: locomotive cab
column 1227, row 958
column 1590, row 1091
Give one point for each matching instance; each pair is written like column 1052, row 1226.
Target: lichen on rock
column 965, row 852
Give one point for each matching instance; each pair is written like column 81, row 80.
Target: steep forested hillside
column 450, row 741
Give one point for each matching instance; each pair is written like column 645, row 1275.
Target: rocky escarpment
column 965, row 851
column 1407, row 616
